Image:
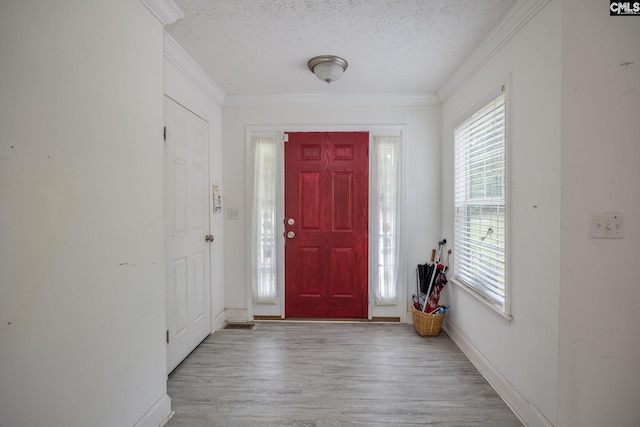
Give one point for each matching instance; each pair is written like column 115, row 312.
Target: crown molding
column 175, row 54
column 166, row 11
column 513, row 21
column 264, row 100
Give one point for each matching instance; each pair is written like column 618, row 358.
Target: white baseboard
column 237, row 315
column 528, row 413
column 218, row 320
column 166, row 419
column 158, row 415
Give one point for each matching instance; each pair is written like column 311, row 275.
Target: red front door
column 326, row 223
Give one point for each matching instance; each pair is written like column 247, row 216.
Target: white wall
column 186, row 83
column 421, row 151
column 518, row 357
column 599, row 360
column 81, row 225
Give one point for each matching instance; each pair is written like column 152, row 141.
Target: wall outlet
column 606, row 226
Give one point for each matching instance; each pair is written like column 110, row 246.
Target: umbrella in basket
column 434, row 298
column 441, row 281
column 430, row 280
column 436, row 266
column 424, row 272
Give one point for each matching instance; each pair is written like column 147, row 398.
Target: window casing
column 480, row 210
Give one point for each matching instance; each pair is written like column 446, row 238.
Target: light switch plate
column 233, row 213
column 606, row 226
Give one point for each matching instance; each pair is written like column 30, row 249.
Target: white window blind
column 479, row 202
column 263, row 236
column 387, row 241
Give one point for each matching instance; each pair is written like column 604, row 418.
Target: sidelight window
column 264, row 244
column 387, row 194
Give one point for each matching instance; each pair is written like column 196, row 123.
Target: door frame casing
column 278, row 131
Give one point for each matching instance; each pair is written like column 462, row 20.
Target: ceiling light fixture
column 327, row 68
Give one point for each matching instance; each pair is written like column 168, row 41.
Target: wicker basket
column 426, row 324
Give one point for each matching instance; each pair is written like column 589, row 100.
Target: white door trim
column 398, row 310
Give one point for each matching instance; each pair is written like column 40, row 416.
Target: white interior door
column 188, row 261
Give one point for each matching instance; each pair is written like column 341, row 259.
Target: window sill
column 507, row 318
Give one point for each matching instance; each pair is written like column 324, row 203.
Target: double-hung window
column 480, row 230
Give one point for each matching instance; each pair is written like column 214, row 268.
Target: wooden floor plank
column 332, row 374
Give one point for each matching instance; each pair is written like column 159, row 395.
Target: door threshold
column 331, row 320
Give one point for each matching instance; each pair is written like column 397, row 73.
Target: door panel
column 326, row 194
column 186, row 225
column 179, row 270
column 343, row 206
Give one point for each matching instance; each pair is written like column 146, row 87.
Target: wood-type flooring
column 332, row 374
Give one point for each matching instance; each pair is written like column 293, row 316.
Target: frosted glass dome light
column 327, row 68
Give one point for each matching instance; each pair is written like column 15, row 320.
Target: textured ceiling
column 392, row 46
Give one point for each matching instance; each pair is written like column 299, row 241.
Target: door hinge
column 164, row 133
column 285, row 137
column 167, row 336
